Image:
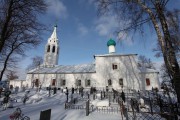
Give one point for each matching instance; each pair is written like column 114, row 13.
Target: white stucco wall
column 18, row 83
column 46, row 79
column 154, row 80
column 126, row 69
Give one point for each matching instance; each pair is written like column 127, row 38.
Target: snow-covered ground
column 40, row 101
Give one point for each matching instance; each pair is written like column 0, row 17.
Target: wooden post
column 65, row 105
column 132, row 106
column 150, row 103
column 104, row 94
column 121, row 108
column 93, row 96
column 101, row 95
column 126, row 113
column 88, row 95
column 87, row 108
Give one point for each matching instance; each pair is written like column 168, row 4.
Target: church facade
column 113, row 70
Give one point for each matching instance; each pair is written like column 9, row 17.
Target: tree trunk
column 171, row 62
column 8, row 56
column 5, row 65
column 166, row 47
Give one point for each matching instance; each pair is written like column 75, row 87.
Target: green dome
column 111, row 42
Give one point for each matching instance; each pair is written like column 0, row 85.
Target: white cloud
column 106, row 25
column 82, row 29
column 57, row 8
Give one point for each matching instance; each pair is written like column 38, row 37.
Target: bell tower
column 51, row 53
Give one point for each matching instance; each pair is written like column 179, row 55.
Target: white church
column 114, row 70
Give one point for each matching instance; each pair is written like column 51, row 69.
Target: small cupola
column 111, row 45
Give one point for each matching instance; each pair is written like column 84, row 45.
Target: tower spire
column 54, row 34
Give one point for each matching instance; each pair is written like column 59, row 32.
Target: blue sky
column 82, row 33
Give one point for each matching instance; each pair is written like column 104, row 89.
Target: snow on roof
column 18, row 79
column 147, row 70
column 83, row 68
column 113, row 55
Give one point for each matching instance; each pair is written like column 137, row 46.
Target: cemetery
column 123, row 105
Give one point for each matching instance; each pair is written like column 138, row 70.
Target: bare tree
column 136, row 13
column 173, row 24
column 19, row 29
column 173, row 21
column 11, row 75
column 19, row 16
column 143, row 61
column 14, row 49
column 36, row 62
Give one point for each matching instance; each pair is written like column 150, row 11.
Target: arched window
column 57, row 50
column 48, row 48
column 109, row 82
column 53, row 50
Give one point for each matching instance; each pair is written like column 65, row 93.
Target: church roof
column 65, row 69
column 114, row 55
column 147, row 70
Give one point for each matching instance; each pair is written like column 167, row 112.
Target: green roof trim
column 111, row 42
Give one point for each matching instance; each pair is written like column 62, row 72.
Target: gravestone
column 141, row 103
column 45, row 115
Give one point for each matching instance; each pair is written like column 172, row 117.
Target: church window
column 48, row 49
column 57, row 50
column 109, row 82
column 53, row 50
column 79, row 82
column 53, row 82
column 147, row 82
column 114, row 66
column 121, row 82
column 88, row 83
column 63, row 82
